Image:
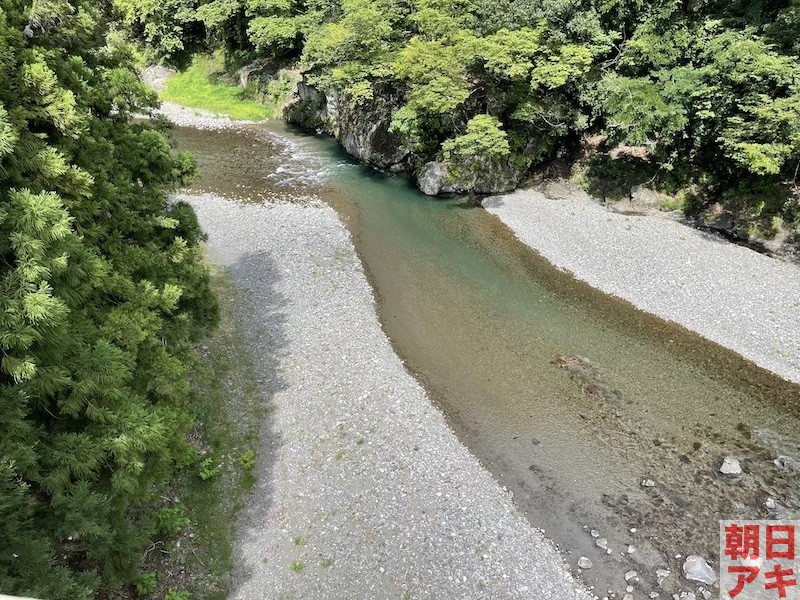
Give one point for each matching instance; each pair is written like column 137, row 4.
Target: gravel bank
column 184, row 116
column 364, row 491
column 731, row 295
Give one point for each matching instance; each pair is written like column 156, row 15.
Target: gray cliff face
column 363, row 129
column 479, row 176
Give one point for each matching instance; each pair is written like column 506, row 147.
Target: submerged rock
column 695, row 568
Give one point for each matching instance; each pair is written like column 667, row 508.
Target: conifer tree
column 102, row 294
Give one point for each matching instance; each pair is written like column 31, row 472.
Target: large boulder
column 477, row 175
column 309, row 109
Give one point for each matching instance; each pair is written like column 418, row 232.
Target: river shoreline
column 613, row 429
column 741, row 299
column 363, row 488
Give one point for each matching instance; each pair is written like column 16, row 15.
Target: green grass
column 199, row 86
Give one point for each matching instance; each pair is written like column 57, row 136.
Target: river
column 573, row 399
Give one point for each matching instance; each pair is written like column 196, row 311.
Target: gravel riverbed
column 734, row 296
column 363, row 490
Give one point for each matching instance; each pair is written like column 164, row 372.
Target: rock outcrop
column 361, row 128
column 363, row 131
column 477, row 175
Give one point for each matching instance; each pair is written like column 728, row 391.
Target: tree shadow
column 259, row 310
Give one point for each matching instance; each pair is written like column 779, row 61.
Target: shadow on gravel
column 259, row 310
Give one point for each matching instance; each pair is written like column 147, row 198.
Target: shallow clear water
column 570, row 397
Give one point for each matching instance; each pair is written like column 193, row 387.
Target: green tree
column 103, row 294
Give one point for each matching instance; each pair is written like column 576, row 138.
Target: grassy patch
column 195, row 555
column 201, row 86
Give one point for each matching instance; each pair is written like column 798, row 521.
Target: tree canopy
column 706, row 90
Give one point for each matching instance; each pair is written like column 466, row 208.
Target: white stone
column 730, row 466
column 585, row 563
column 695, row 568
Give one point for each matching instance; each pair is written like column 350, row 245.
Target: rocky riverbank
column 741, row 299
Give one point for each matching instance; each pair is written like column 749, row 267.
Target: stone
column 432, row 179
column 156, row 76
column 695, row 568
column 630, row 575
column 475, row 174
column 361, row 128
column 627, row 597
column 730, row 466
column 643, row 197
column 631, row 548
column 771, row 503
column 594, row 533
column 585, row 563
column 648, row 483
column 601, row 543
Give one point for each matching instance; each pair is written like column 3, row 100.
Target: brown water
column 570, row 397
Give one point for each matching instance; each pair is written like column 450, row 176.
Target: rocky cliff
column 363, row 131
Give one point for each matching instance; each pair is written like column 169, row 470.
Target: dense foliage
column 706, row 91
column 103, row 293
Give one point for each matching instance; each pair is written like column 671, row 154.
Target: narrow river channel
column 571, row 398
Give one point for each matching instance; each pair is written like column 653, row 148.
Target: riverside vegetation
column 107, row 445
column 698, row 98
